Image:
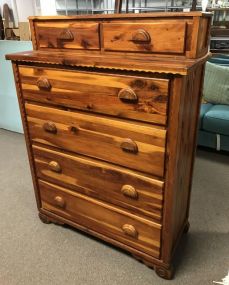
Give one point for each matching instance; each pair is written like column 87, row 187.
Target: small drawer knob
column 59, row 201
column 130, row 230
column 66, row 35
column 50, row 127
column 127, row 95
column 44, row 84
column 55, row 166
column 129, row 145
column 129, row 191
column 141, row 36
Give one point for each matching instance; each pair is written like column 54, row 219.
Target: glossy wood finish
column 160, row 37
column 100, row 137
column 111, row 133
column 67, row 35
column 132, row 97
column 138, row 232
column 130, row 33
column 139, row 194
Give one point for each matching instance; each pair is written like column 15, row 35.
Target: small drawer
column 67, row 35
column 151, row 37
column 132, row 97
column 139, row 194
column 103, row 218
column 137, row 146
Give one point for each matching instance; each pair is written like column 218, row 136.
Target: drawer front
column 156, row 36
column 67, row 35
column 108, row 220
column 137, row 146
column 132, row 97
column 139, row 194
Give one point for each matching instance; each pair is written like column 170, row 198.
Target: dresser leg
column 47, row 220
column 166, row 273
column 186, row 228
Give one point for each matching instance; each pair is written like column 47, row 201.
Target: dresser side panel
column 181, row 145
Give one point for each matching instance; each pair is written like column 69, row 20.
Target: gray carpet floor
column 33, row 253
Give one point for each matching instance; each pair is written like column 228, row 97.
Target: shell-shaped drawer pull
column 50, row 127
column 128, row 145
column 55, row 166
column 129, row 191
column 59, row 202
column 130, row 230
column 44, row 84
column 141, row 36
column 127, row 95
column 66, row 35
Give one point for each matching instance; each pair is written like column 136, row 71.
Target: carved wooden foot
column 186, row 228
column 47, row 220
column 166, row 273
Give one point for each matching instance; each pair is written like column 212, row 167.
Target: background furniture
column 110, row 121
column 9, row 109
column 214, row 117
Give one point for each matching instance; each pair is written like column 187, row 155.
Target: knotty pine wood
column 160, row 37
column 105, row 181
column 103, row 218
column 174, row 43
column 99, row 93
column 158, row 167
column 83, row 35
column 99, row 137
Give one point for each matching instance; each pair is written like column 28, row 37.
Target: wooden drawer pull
column 66, row 35
column 141, row 36
column 129, row 145
column 44, row 84
column 50, row 127
column 128, row 95
column 55, row 166
column 59, row 201
column 129, row 191
column 130, row 230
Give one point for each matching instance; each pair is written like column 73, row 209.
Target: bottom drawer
column 108, row 220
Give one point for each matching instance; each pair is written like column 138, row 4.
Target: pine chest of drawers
column 110, row 110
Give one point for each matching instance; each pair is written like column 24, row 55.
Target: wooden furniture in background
column 110, row 109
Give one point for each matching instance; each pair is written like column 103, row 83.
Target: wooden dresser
column 110, row 106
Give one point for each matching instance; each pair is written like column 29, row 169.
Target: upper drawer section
column 153, row 34
column 67, row 35
column 132, row 97
column 158, row 36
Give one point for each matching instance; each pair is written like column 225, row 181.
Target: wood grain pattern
column 183, row 121
column 99, row 93
column 111, row 126
column 99, row 137
column 106, row 182
column 164, row 37
column 67, row 35
column 101, row 217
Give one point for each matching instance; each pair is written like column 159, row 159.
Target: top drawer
column 158, row 36
column 67, row 35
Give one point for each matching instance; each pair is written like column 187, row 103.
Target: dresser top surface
column 126, row 16
column 112, row 62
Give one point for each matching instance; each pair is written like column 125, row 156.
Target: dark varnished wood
column 110, row 121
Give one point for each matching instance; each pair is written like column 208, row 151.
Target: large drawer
column 158, row 36
column 108, row 220
column 139, row 194
column 67, row 35
column 133, row 97
column 136, row 146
